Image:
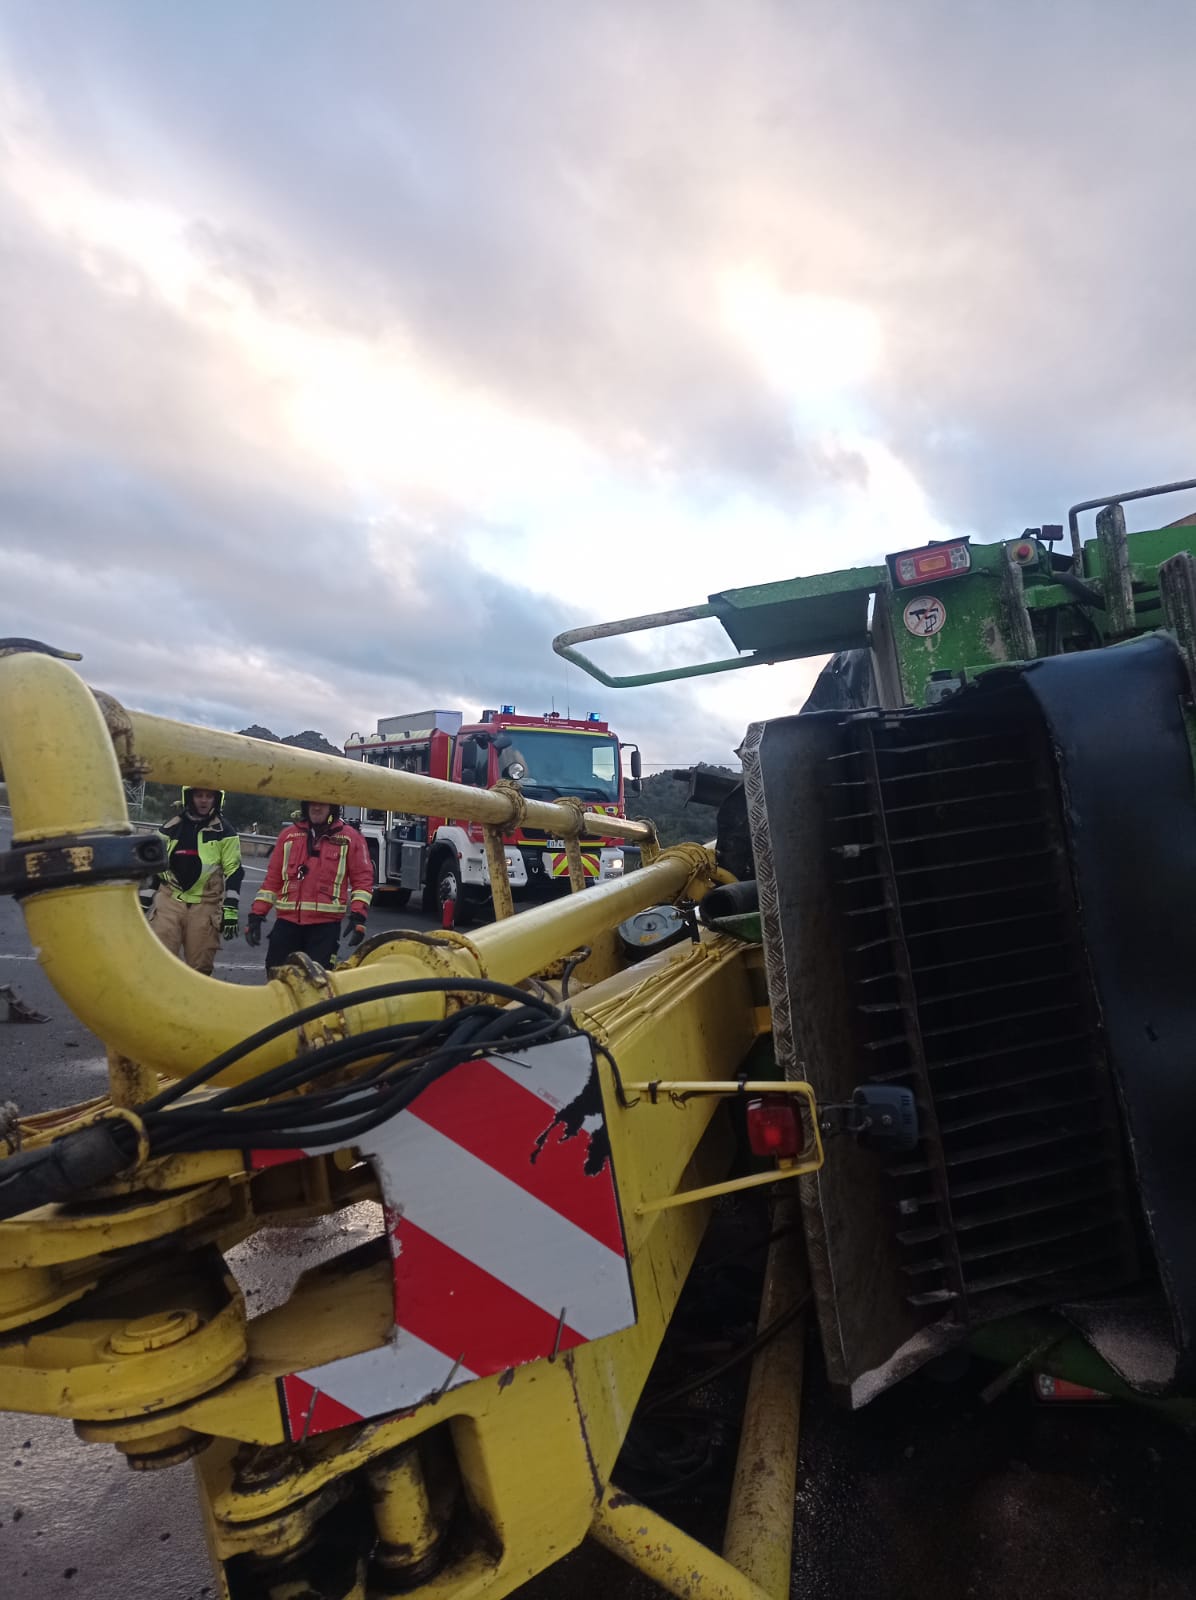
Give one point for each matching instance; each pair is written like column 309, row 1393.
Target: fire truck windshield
column 562, row 763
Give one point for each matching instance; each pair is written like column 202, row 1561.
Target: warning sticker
column 924, row 615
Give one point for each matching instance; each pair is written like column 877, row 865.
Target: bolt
column 155, row 1332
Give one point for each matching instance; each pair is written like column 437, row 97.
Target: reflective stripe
column 364, row 895
column 322, row 906
column 342, row 867
column 559, row 864
column 267, row 895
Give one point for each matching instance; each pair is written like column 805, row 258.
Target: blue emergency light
column 593, row 717
column 508, row 711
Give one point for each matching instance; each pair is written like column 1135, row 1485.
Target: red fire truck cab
column 549, row 756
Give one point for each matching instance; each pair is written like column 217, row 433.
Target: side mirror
column 636, row 786
column 637, row 766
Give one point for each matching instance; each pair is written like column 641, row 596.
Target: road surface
column 927, row 1495
column 75, row 1523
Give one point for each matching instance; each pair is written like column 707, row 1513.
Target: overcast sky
column 350, row 351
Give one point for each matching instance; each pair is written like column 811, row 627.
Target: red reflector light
column 1049, row 1388
column 936, row 562
column 774, row 1127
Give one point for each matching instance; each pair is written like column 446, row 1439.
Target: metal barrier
column 252, row 844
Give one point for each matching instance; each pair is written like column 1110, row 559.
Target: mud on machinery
column 947, row 911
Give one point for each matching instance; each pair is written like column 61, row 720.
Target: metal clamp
column 79, row 858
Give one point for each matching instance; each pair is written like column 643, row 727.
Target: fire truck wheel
column 446, row 882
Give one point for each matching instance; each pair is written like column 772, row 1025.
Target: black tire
column 445, row 883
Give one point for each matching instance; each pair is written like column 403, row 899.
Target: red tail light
column 937, row 561
column 774, row 1127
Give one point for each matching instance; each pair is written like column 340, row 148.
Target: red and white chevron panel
column 504, row 1229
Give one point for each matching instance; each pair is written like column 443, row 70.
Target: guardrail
column 252, row 844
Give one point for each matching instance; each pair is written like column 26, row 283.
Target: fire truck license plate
column 554, row 844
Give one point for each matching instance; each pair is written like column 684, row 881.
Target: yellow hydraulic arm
column 120, row 1311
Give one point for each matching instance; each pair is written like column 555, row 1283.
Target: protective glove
column 253, row 929
column 230, row 927
column 356, row 930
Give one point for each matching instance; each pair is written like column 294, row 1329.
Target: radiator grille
column 971, row 988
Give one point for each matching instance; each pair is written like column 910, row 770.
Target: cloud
column 348, row 354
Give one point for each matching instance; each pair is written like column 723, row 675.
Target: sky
column 350, row 352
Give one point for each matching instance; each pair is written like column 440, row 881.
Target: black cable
column 777, row 1325
column 380, row 991
column 298, row 1124
column 1085, row 593
column 571, row 966
column 616, row 1075
column 282, row 1108
column 346, row 1111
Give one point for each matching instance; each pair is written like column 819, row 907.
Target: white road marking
column 236, row 966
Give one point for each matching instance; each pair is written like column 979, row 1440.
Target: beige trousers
column 190, row 932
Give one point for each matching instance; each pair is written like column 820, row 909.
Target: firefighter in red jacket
column 319, row 871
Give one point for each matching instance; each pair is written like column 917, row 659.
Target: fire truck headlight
column 615, row 866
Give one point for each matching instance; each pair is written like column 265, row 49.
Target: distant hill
column 309, row 739
column 663, row 802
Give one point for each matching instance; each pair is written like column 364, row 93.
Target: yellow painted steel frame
column 679, row 1094
column 500, row 878
column 160, row 1359
column 534, row 1448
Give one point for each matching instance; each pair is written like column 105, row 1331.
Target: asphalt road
column 74, row 1521
column 928, row 1494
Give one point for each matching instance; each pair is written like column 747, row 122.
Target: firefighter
column 319, row 871
column 198, row 896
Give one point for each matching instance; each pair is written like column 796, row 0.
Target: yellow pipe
column 120, row 981
column 55, row 754
column 93, row 940
column 577, row 870
column 653, row 1546
column 759, row 1535
column 178, row 752
column 535, row 938
column 500, row 878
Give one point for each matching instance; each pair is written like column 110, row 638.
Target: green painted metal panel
column 802, row 616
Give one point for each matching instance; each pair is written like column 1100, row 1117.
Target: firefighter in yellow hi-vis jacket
column 199, row 893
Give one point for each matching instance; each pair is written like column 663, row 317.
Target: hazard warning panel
column 504, row 1230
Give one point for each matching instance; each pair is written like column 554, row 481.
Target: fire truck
column 547, row 757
